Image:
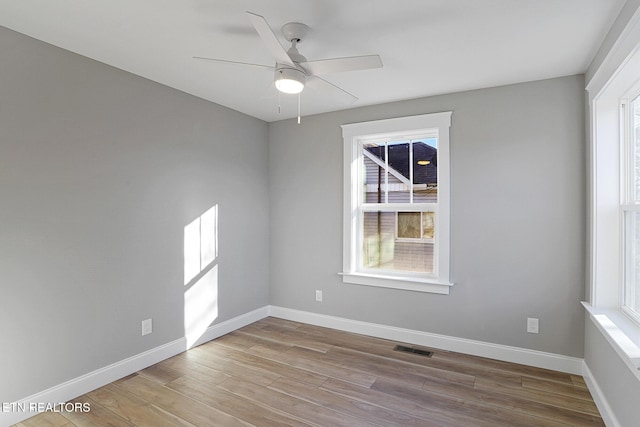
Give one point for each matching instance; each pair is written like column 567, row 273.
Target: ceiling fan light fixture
column 290, row 80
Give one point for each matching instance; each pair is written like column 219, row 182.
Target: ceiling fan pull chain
column 298, row 108
column 278, row 102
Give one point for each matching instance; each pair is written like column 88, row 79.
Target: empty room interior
column 320, row 212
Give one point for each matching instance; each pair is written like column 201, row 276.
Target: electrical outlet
column 532, row 325
column 319, row 296
column 147, row 327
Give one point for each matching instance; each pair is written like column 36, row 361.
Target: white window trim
column 411, row 127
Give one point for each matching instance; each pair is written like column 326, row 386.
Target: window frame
column 402, row 128
column 629, row 202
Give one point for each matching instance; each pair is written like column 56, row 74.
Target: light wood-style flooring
column 281, row 373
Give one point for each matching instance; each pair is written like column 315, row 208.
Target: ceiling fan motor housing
column 289, row 80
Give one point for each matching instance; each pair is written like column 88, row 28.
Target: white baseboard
column 71, row 389
column 572, row 365
column 606, row 412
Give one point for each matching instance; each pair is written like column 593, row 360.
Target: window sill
column 621, row 332
column 397, row 282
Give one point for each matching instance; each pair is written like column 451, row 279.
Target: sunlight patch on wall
column 201, row 306
column 200, row 243
column 200, row 274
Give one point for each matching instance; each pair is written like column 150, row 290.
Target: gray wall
column 518, row 198
column 100, row 171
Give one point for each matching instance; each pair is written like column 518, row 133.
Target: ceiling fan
column 292, row 70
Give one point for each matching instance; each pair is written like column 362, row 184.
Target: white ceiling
column 428, row 47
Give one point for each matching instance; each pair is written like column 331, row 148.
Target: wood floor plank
column 97, row 416
column 235, row 341
column 410, row 374
column 498, row 365
column 506, row 402
column 474, row 407
column 274, row 321
column 311, row 361
column 175, row 403
column 134, row 410
column 435, row 409
column 244, row 409
column 292, row 336
column 560, row 400
column 346, row 406
column 473, row 370
column 363, row 343
column 160, row 373
column 125, row 378
column 187, row 364
column 273, row 365
column 253, row 333
column 231, row 368
column 276, row 372
column 46, row 419
column 578, row 382
column 556, row 388
column 294, row 406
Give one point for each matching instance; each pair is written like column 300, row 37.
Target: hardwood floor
column 281, row 373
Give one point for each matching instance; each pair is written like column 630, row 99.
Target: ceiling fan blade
column 338, row 65
column 270, row 39
column 329, row 89
column 234, row 62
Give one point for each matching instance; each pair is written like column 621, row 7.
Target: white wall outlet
column 532, row 325
column 318, row 296
column 147, row 327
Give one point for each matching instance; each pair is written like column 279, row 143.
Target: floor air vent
column 406, row 349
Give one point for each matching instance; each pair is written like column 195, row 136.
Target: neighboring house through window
column 396, row 231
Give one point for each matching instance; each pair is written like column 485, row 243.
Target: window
column 631, row 206
column 614, row 200
column 396, row 231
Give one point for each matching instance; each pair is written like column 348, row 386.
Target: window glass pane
column 428, row 225
column 381, row 250
column 635, row 148
column 399, row 172
column 409, row 225
column 425, row 170
column 632, row 267
column 375, row 173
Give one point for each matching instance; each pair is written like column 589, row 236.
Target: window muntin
column 397, row 203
